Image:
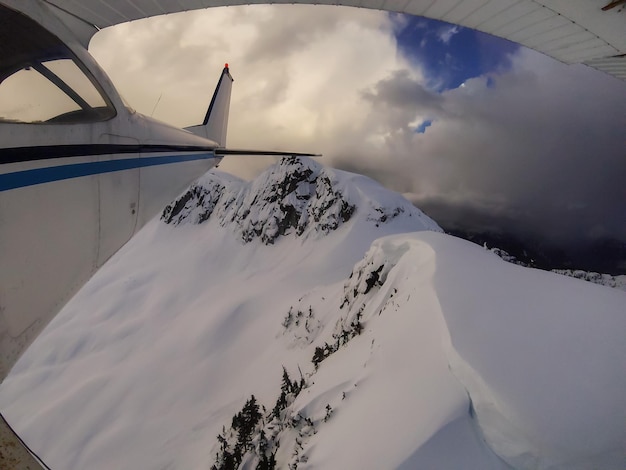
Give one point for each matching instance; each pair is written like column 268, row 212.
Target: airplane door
column 118, row 199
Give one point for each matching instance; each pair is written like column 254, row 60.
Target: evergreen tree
column 223, row 442
column 262, row 443
column 245, row 423
column 231, row 461
column 280, row 405
column 319, row 355
column 287, row 386
column 266, row 463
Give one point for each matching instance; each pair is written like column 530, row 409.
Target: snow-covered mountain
column 312, row 319
column 617, row 282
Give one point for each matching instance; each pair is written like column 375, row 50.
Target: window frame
column 44, row 46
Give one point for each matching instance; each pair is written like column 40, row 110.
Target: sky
column 466, row 125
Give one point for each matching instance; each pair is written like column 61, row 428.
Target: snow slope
column 404, row 347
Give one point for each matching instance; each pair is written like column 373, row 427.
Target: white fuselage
column 72, row 193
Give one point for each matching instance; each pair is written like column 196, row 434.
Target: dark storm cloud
column 543, row 142
column 403, row 93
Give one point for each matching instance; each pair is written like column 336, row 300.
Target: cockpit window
column 41, row 81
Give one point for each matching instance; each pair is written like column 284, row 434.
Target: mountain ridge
column 294, row 196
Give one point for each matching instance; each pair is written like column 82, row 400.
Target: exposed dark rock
column 294, row 196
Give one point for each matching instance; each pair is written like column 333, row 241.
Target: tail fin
column 215, row 122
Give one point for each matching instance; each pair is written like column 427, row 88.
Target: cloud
column 446, row 33
column 542, row 138
column 539, row 141
column 299, row 71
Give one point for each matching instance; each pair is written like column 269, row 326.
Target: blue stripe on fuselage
column 20, row 179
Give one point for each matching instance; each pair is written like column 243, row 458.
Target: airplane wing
column 87, row 17
column 573, row 31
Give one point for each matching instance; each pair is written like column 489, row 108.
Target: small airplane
column 80, row 171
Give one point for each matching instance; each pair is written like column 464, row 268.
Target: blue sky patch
column 421, row 129
column 451, row 54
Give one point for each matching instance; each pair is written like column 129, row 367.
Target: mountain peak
column 295, row 196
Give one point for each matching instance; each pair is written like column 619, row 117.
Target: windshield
column 41, row 81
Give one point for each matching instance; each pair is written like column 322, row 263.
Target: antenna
column 156, row 104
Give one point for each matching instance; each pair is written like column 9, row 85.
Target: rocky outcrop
column 296, row 196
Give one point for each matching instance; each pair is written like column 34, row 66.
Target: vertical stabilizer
column 215, row 124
